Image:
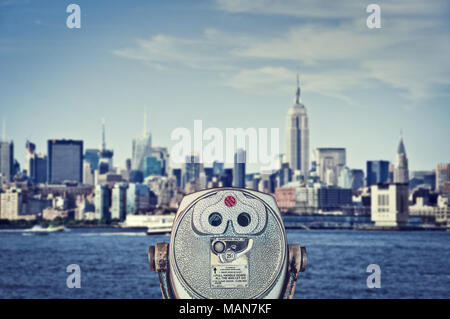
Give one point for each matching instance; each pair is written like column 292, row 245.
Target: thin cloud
column 348, row 9
column 410, row 53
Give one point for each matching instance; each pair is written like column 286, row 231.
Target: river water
column 114, row 264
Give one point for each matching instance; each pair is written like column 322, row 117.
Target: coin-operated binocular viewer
column 227, row 243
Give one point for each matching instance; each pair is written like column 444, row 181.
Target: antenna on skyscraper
column 145, row 123
column 297, row 95
column 103, row 135
column 4, row 130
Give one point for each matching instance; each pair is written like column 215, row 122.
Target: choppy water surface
column 114, row 264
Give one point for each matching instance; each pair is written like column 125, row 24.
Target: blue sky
column 230, row 63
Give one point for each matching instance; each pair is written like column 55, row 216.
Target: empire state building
column 297, row 136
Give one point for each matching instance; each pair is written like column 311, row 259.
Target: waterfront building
column 11, row 204
column 312, row 198
column 119, row 201
column 330, row 161
column 138, row 198
column 84, row 207
column 67, row 190
column 442, row 175
column 443, row 211
column 50, row 213
column 239, row 169
column 164, row 188
column 17, row 203
column 427, row 212
column 65, row 161
column 297, row 136
column 389, row 204
column 377, row 172
column 102, row 202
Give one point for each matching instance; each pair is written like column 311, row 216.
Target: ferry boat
column 155, row 224
column 39, row 230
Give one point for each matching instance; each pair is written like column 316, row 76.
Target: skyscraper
column 7, row 159
column 226, row 177
column 177, row 173
column 284, row 175
column 152, row 167
column 442, row 174
column 401, row 169
column 377, row 172
column 358, row 179
column 65, row 161
column 141, row 148
column 191, row 169
column 162, row 154
column 36, row 165
column 217, row 168
column 106, row 156
column 345, row 179
column 102, row 202
column 119, row 201
column 297, row 136
column 92, row 156
column 239, row 169
column 88, row 174
column 138, row 198
column 330, row 162
column 29, row 165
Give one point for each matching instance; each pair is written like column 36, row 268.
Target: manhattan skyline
column 231, row 64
